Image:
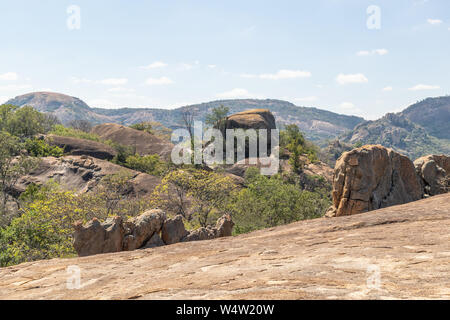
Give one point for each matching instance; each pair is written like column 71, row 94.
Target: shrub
column 45, row 227
column 150, row 164
column 197, row 195
column 269, row 201
column 60, row 130
column 143, row 126
column 40, row 148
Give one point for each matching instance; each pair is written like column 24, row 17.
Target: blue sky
column 170, row 53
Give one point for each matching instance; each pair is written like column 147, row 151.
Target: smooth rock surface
column 80, row 147
column 406, row 247
column 143, row 142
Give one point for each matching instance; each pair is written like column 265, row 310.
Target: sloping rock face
column 82, row 174
column 434, row 170
column 372, row 177
column 144, row 142
column 400, row 252
column 149, row 230
column 79, row 147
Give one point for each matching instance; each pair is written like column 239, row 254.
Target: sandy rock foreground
column 401, row 252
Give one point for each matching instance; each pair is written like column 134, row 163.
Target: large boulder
column 173, row 230
column 224, row 226
column 144, row 143
column 79, row 147
column 434, row 171
column 95, row 237
column 142, row 228
column 372, row 177
column 252, row 119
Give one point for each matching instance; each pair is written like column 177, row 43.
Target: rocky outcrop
column 173, row 230
column 82, row 174
column 149, row 230
column 251, row 119
column 372, row 177
column 96, row 237
column 140, row 230
column 434, row 171
column 400, row 252
column 223, row 228
column 143, row 142
column 80, row 147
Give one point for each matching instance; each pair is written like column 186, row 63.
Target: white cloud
column 280, row 75
column 434, row 21
column 235, row 93
column 80, row 80
column 387, row 89
column 102, row 103
column 189, row 66
column 424, row 87
column 380, row 52
column 349, row 107
column 114, row 81
column 211, row 66
column 15, row 87
column 109, row 81
column 154, row 65
column 120, row 90
column 286, row 74
column 9, row 76
column 363, row 53
column 351, row 78
column 158, row 81
column 248, row 76
column 306, row 99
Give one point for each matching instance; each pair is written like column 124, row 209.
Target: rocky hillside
column 432, row 114
column 421, row 129
column 401, row 252
column 317, row 124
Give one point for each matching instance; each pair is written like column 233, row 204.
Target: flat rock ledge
column 400, row 252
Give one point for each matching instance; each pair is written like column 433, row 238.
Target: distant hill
column 421, row 129
column 317, row 124
column 433, row 114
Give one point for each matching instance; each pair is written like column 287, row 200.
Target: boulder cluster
column 151, row 229
column 374, row 177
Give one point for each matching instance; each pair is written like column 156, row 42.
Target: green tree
column 292, row 140
column 195, row 194
column 150, row 164
column 13, row 164
column 143, row 126
column 40, row 148
column 269, row 201
column 217, row 117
